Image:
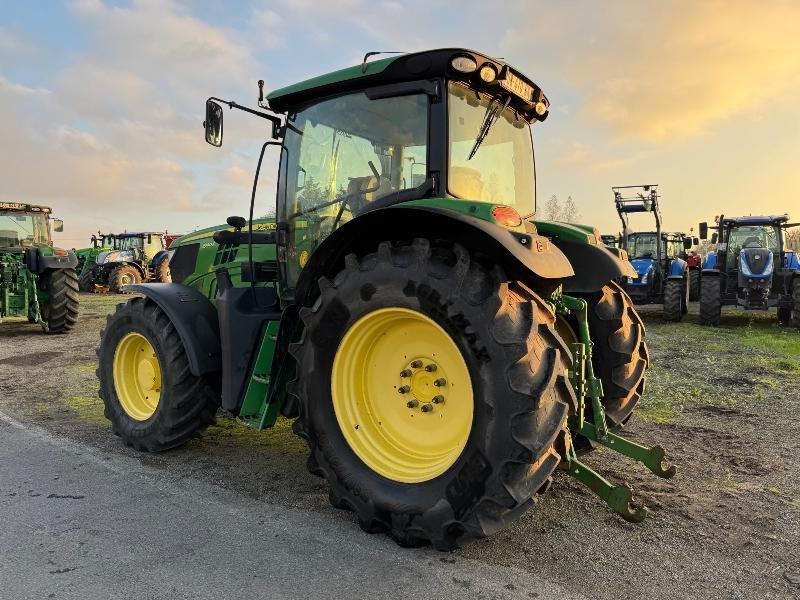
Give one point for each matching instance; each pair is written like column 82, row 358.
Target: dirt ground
column 723, row 401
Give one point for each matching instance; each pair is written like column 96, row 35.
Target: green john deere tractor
column 37, row 281
column 102, row 242
column 441, row 352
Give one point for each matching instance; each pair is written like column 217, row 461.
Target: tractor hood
column 113, row 256
column 756, row 262
column 643, row 265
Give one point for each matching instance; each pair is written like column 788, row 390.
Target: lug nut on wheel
column 405, row 373
column 430, row 368
column 440, row 382
column 403, row 389
column 438, row 399
column 413, row 403
column 427, row 407
column 416, row 364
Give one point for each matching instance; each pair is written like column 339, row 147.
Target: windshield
column 501, row 170
column 22, row 229
column 129, row 243
column 341, row 155
column 642, row 245
column 754, row 236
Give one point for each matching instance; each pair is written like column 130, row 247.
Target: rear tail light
column 60, row 252
column 506, row 216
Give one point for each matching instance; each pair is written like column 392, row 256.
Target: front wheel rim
column 137, row 376
column 402, row 395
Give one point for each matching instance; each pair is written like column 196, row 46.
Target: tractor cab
column 751, row 265
column 26, row 226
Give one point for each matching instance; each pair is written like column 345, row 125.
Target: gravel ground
column 723, row 401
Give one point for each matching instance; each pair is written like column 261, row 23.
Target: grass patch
column 88, row 409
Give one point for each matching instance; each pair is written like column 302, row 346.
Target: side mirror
column 213, row 123
column 149, row 238
column 237, row 223
column 696, row 241
column 58, row 225
column 703, row 230
column 713, row 238
column 687, row 243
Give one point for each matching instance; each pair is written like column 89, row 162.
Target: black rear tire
column 122, row 276
column 188, row 404
column 674, row 292
column 694, row 285
column 517, row 364
column 710, row 301
column 619, row 356
column 60, row 310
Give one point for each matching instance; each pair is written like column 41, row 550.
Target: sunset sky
column 101, row 103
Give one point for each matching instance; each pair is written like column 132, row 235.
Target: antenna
column 368, row 55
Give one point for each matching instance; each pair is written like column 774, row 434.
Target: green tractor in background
column 102, row 242
column 37, row 280
column 440, row 351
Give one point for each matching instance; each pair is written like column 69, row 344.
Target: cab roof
column 758, row 220
column 426, row 65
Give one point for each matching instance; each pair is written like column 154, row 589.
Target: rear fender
column 160, row 255
column 195, row 320
column 594, row 265
column 521, row 254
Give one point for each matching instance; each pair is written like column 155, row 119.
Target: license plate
column 516, row 86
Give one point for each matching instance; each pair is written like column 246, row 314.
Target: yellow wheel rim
column 402, row 395
column 137, row 376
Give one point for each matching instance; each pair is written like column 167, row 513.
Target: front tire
column 152, row 399
column 163, row 274
column 694, row 284
column 795, row 315
column 483, row 475
column 122, row 276
column 619, row 356
column 674, row 292
column 86, row 281
column 60, row 310
column 710, row 301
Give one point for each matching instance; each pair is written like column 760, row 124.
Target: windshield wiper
column 492, row 112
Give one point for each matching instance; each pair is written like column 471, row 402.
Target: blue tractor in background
column 751, row 268
column 658, row 257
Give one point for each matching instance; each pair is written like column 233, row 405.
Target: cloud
column 673, row 71
column 580, row 156
column 117, row 138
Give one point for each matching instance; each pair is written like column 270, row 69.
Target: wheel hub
column 402, row 394
column 137, row 376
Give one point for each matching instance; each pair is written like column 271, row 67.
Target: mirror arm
column 275, row 120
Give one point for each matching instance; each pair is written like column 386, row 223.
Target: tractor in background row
column 751, row 267
column 137, row 257
column 37, row 280
column 440, row 354
column 662, row 274
column 102, row 242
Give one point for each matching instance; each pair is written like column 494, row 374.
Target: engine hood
column 642, row 265
column 112, row 256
